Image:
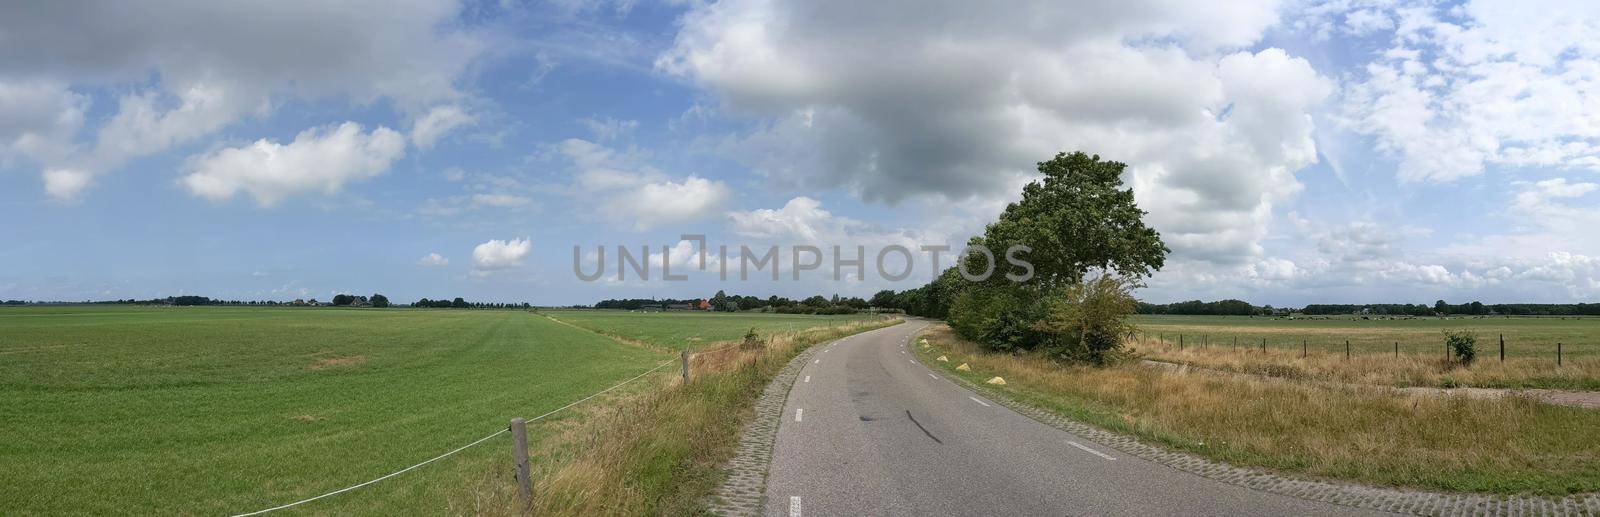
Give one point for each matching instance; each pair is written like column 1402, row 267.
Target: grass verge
column 1400, row 370
column 658, row 452
column 1455, row 443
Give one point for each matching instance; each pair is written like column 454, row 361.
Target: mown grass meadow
column 693, row 329
column 221, row 410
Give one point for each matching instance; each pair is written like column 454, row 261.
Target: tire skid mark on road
column 924, row 429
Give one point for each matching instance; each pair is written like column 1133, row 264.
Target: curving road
column 867, row 430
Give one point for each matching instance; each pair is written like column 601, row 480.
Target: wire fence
column 1494, row 345
column 458, row 449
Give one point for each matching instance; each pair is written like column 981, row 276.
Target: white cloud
column 1493, row 83
column 65, row 184
column 801, row 218
column 38, row 120
column 433, row 260
column 633, row 192
column 669, row 202
column 958, row 100
column 319, row 160
column 499, row 254
column 500, row 200
column 608, row 129
column 215, row 63
column 439, row 121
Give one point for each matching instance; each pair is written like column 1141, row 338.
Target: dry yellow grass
column 658, row 449
column 1365, row 434
column 1390, row 370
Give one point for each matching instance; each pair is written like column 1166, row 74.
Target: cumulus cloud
column 668, row 202
column 319, row 160
column 439, row 121
column 499, row 254
column 637, row 193
column 804, row 221
column 214, row 64
column 1495, row 82
column 65, row 184
column 38, row 120
column 433, row 260
column 959, row 100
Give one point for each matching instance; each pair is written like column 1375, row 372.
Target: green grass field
column 214, row 410
column 221, row 410
column 680, row 329
column 1525, row 336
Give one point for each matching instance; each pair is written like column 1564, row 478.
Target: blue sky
column 1289, row 152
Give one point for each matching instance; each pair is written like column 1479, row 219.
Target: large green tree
column 1075, row 219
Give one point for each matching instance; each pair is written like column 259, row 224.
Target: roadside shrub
column 1001, row 318
column 1463, row 345
column 752, row 340
column 1087, row 322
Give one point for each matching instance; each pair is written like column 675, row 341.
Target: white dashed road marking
column 934, row 376
column 794, row 506
column 798, row 412
column 819, row 361
column 975, row 399
column 808, row 378
column 1091, row 451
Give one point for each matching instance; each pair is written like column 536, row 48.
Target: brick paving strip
column 742, row 491
column 1416, row 502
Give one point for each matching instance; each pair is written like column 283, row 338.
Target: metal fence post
column 1502, row 348
column 1558, row 354
column 684, row 355
column 519, row 452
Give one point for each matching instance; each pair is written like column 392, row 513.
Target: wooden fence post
column 1263, row 345
column 1347, row 349
column 1397, row 349
column 1502, row 348
column 1558, row 354
column 1180, row 342
column 1305, row 348
column 519, row 452
column 684, row 355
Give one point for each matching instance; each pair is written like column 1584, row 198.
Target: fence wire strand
column 459, row 449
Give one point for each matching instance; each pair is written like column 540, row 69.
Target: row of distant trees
column 377, row 300
column 1439, row 308
column 724, row 302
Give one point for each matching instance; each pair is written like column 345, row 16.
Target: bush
column 752, row 340
column 1001, row 318
column 1463, row 345
column 1087, row 321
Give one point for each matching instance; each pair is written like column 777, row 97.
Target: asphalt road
column 867, row 430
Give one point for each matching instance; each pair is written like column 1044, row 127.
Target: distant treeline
column 1439, row 308
column 340, row 300
column 723, row 302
